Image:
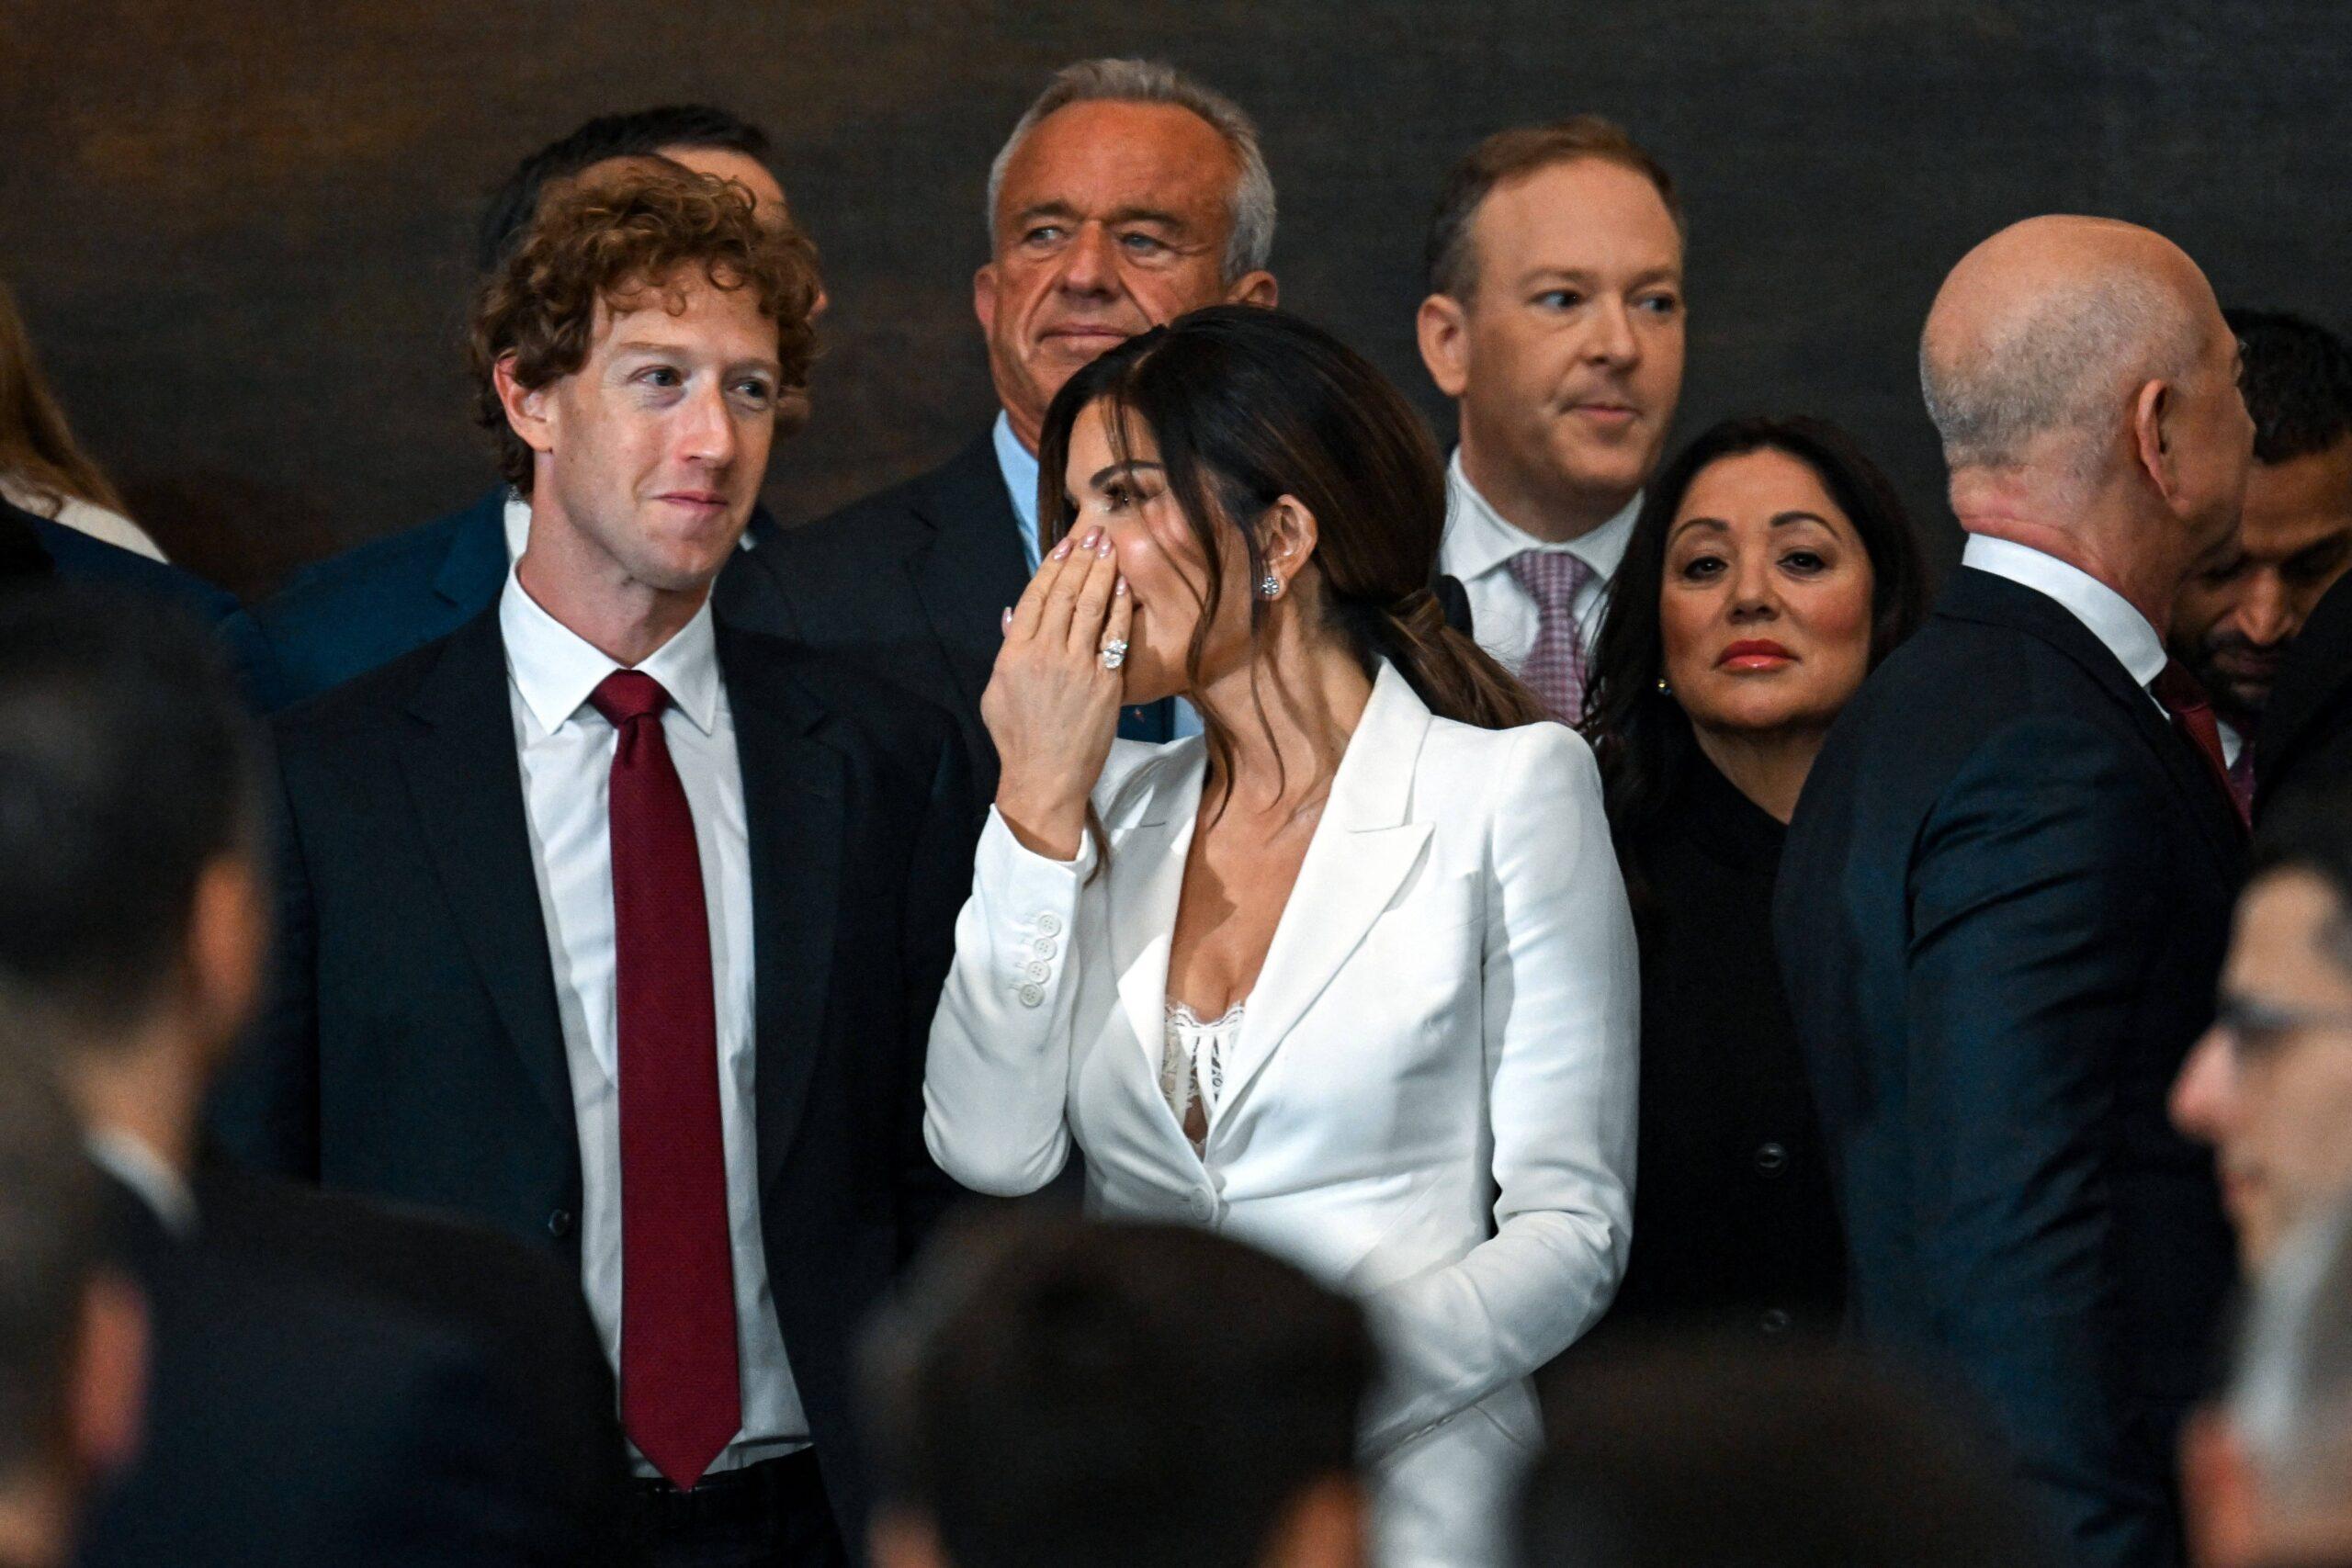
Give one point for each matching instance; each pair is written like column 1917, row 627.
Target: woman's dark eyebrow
column 1799, row 516
column 1132, row 466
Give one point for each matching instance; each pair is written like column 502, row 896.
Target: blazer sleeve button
column 1032, row 996
column 559, row 1224
column 1049, row 925
column 1772, row 1159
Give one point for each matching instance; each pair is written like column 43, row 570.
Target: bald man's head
column 2043, row 334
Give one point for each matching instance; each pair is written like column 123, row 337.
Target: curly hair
column 612, row 241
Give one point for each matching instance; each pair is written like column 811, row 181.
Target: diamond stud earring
column 1269, row 587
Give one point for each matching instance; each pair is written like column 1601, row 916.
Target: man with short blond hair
column 1554, row 321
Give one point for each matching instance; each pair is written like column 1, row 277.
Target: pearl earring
column 1269, row 587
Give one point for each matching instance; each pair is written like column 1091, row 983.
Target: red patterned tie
column 1555, row 669
column 681, row 1400
column 2192, row 715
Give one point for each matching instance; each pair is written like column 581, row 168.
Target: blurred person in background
column 1771, row 569
column 2269, row 1087
column 73, row 1327
column 1695, row 1454
column 2268, row 1466
column 1068, row 1394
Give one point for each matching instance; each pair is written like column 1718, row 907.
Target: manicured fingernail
column 1120, row 588
column 1091, row 535
column 1104, row 550
column 1005, row 620
column 1063, row 549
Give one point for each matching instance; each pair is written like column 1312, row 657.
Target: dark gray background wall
column 238, row 226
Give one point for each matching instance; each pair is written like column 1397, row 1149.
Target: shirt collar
column 1479, row 539
column 2108, row 616
column 132, row 1162
column 554, row 668
column 1019, row 465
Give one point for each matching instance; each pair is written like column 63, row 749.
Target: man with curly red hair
column 618, row 928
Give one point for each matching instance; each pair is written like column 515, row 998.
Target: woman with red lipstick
column 1770, row 568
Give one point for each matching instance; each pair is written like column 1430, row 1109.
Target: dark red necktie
column 2192, row 715
column 681, row 1400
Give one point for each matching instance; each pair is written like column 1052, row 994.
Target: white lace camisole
column 1191, row 1065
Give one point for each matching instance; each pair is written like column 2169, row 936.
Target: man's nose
column 1091, row 265
column 2264, row 613
column 1612, row 341
column 2201, row 1096
column 708, row 435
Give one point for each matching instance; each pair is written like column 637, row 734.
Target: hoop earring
column 1269, row 587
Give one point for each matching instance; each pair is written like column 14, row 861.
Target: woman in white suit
column 1350, row 977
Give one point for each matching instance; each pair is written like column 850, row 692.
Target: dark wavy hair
column 1247, row 405
column 1640, row 734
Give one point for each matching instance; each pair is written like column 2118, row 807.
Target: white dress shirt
column 129, row 1160
column 566, row 749
column 1019, row 465
column 2105, row 614
column 1477, row 550
column 82, row 517
column 1428, row 1101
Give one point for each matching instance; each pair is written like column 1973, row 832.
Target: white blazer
column 1430, row 1102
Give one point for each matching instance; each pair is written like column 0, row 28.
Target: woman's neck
column 1767, row 766
column 1313, row 692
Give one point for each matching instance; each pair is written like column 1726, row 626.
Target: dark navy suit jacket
column 2307, row 730
column 360, row 610
column 75, row 557
column 2001, row 916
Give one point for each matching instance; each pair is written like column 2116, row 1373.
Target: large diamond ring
column 1115, row 653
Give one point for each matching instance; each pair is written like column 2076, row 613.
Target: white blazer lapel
column 1363, row 850
column 1152, row 834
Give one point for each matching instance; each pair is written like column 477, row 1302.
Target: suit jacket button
column 1031, row 996
column 1049, row 925
column 559, row 1224
column 1772, row 1159
column 1774, row 1322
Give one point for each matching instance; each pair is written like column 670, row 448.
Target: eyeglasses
column 2256, row 1028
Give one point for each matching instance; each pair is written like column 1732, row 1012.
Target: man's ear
column 228, row 938
column 1442, row 329
column 1257, row 289
column 106, row 1398
column 527, row 408
column 1323, row 1527
column 898, row 1539
column 984, row 297
column 2152, row 443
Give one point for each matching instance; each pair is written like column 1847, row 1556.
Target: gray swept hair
column 2292, row 1397
column 1251, row 241
column 2056, row 370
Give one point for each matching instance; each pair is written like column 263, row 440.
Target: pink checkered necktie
column 1555, row 670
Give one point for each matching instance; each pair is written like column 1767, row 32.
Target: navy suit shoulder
column 346, row 614
column 2000, row 916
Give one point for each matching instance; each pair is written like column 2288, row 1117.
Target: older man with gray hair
column 1127, row 195
column 2007, row 889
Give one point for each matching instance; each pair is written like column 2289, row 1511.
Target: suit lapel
column 1361, row 852
column 475, row 567
column 969, row 565
column 1984, row 596
column 1154, row 833
column 795, row 813
column 467, row 790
